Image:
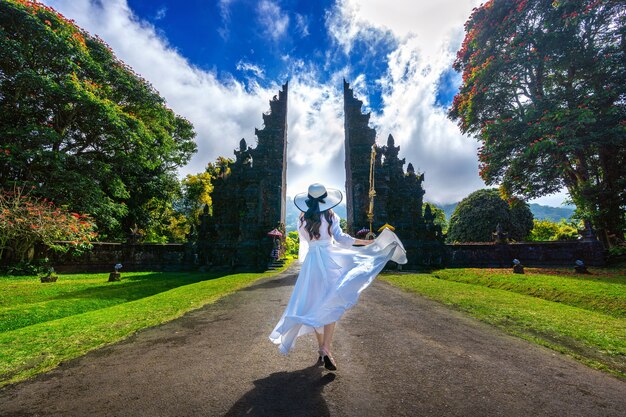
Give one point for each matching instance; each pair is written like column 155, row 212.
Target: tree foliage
column 521, row 219
column 292, row 244
column 477, row 216
column 544, row 87
column 196, row 190
column 440, row 216
column 80, row 125
column 546, row 230
column 196, row 193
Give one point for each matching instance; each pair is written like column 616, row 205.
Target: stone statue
column 587, row 234
column 500, row 236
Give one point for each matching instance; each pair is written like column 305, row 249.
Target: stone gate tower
column 249, row 198
column 359, row 138
column 399, row 194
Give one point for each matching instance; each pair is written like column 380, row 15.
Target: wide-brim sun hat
column 327, row 198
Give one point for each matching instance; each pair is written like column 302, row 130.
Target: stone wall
column 420, row 254
column 425, row 255
column 535, row 254
column 133, row 257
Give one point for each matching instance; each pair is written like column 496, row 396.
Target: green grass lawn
column 583, row 316
column 42, row 325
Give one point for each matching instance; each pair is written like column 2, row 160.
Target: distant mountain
column 554, row 214
column 447, row 208
column 539, row 212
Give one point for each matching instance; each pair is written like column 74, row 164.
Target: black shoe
column 329, row 363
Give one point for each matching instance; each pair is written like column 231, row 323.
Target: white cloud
column 345, row 25
column 426, row 137
column 428, row 33
column 224, row 6
column 160, row 14
column 302, row 24
column 249, row 67
column 315, row 150
column 272, row 19
column 433, row 23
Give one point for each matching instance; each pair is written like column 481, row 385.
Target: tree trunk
column 610, row 197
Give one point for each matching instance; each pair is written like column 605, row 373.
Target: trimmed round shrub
column 478, row 215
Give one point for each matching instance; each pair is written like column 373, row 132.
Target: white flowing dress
column 332, row 277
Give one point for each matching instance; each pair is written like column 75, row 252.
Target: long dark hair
column 314, row 222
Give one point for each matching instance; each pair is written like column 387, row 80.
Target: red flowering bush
column 26, row 221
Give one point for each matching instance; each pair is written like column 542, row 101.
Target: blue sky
column 219, row 62
column 266, row 41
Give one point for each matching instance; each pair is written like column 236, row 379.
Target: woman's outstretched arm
column 344, row 238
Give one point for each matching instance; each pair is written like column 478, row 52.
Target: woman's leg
column 329, row 362
column 327, row 342
column 320, row 338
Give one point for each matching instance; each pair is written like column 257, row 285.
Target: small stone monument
column 518, row 268
column 115, row 275
column 500, row 236
column 135, row 235
column 50, row 276
column 580, row 267
column 587, row 234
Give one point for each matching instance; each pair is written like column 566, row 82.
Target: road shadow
column 273, row 283
column 297, row 393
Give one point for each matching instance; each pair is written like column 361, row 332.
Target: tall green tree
column 477, row 216
column 544, row 87
column 440, row 216
column 196, row 190
column 80, row 125
column 196, row 193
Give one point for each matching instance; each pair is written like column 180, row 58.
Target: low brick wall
column 561, row 253
column 428, row 255
column 176, row 257
column 133, row 257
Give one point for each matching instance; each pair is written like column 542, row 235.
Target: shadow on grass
column 135, row 287
column 297, row 393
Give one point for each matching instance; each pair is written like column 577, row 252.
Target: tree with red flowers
column 544, row 91
column 26, row 221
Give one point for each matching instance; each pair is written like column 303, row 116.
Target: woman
column 333, row 274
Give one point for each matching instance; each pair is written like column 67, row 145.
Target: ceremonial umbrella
column 363, row 231
column 275, row 233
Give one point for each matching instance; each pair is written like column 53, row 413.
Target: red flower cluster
column 26, row 220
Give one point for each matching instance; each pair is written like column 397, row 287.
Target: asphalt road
column 398, row 355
